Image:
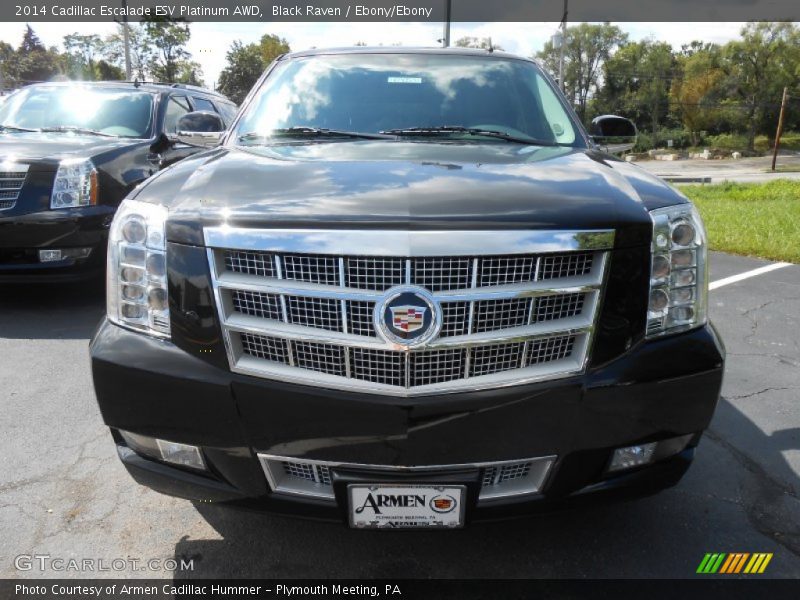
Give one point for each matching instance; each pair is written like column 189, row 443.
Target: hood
column 32, row 147
column 401, row 185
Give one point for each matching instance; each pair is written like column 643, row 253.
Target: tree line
column 699, row 89
column 157, row 53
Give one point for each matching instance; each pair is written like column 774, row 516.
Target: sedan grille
column 12, row 178
column 311, row 318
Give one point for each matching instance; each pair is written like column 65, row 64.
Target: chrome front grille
column 309, row 317
column 433, row 273
column 12, row 178
column 313, row 478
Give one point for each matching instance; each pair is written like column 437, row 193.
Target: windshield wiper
column 15, row 128
column 447, row 129
column 303, row 131
column 73, row 129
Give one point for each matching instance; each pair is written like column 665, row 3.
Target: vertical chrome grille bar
column 284, row 309
column 345, row 327
column 471, row 316
column 408, row 271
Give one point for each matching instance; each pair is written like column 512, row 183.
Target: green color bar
column 702, row 567
column 717, row 564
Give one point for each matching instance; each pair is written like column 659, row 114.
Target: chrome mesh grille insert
column 442, row 274
column 496, row 475
column 360, row 314
column 266, row 348
column 505, row 479
column 325, row 358
column 549, row 349
column 455, row 318
column 378, row 366
column 491, row 315
column 321, row 313
column 558, row 307
column 309, row 317
column 371, row 273
column 11, row 182
column 503, row 270
column 311, row 269
column 436, row 366
column 257, row 304
column 565, row 265
column 496, row 358
column 251, row 263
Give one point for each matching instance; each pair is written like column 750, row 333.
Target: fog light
column 632, row 456
column 49, row 255
column 181, row 454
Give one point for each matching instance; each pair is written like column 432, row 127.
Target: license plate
column 406, row 506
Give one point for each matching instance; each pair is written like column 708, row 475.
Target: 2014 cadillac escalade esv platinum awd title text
column 407, row 289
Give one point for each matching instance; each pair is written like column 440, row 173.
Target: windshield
column 118, row 113
column 390, row 93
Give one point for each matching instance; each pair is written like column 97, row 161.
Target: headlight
column 678, row 273
column 137, row 268
column 75, row 184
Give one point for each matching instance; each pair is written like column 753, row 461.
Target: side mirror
column 200, row 128
column 614, row 134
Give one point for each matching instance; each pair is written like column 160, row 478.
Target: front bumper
column 659, row 390
column 23, row 235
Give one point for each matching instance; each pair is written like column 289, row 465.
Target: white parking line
column 747, row 275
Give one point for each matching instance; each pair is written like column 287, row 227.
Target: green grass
column 752, row 219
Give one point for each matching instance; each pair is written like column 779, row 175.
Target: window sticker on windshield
column 405, row 80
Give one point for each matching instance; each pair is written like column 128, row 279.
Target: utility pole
column 127, row 40
column 446, row 34
column 563, row 44
column 780, row 128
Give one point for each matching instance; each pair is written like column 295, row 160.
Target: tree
column 170, row 39
column 105, row 71
column 189, row 72
column 588, row 46
column 246, row 63
column 31, row 62
column 475, row 42
column 695, row 89
column 637, row 82
column 758, row 66
column 80, row 54
column 141, row 51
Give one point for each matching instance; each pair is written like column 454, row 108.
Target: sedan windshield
column 79, row 109
column 418, row 96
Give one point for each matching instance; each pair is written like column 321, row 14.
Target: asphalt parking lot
column 63, row 493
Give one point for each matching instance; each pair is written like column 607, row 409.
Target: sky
column 210, row 41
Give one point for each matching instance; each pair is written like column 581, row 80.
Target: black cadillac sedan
column 407, row 289
column 69, row 153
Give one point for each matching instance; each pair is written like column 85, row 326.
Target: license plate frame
column 406, row 517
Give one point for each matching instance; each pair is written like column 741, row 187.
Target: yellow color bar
column 768, row 557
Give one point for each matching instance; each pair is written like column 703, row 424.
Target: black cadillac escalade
column 69, row 153
column 406, row 289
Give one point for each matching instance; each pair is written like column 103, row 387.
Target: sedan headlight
column 137, row 268
column 678, row 272
column 75, row 184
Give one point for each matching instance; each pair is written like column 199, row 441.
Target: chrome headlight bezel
column 74, row 185
column 137, row 295
column 678, row 299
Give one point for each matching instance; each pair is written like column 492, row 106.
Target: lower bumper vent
column 313, row 479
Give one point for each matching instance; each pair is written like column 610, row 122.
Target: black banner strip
column 399, row 10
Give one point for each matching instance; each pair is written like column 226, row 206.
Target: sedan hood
column 34, row 147
column 401, row 185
